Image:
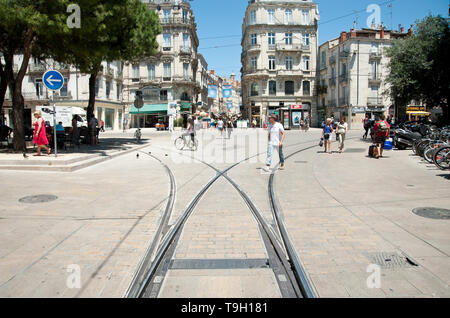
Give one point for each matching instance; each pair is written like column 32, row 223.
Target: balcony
column 375, row 56
column 332, row 81
column 343, row 78
column 332, row 103
column 289, row 47
column 37, row 68
column 185, row 51
column 344, row 54
column 289, row 73
column 375, row 79
column 177, row 21
column 253, row 48
column 374, row 101
column 109, row 72
column 306, row 47
column 343, row 101
column 272, row 47
column 322, row 89
column 256, row 73
column 332, row 60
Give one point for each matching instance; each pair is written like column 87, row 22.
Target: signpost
column 139, row 103
column 54, row 81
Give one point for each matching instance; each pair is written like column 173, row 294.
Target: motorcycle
column 404, row 137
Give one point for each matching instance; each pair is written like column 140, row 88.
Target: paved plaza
column 344, row 213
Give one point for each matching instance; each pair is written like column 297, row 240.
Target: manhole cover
column 433, row 213
column 389, row 260
column 43, row 198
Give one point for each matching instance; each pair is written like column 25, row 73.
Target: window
column 272, row 87
column 151, row 71
column 185, row 41
column 135, row 72
column 305, row 39
column 289, row 88
column 344, row 69
column 167, row 71
column 306, row 88
column 254, row 63
column 333, row 72
column 167, row 40
column 374, row 74
column 39, row 87
column 374, row 47
column 254, row 89
column 288, row 16
column 63, row 92
column 163, row 95
column 185, row 97
column 185, row 71
column 305, row 17
column 289, row 63
column 185, row 16
column 108, row 89
column 323, row 57
column 306, row 63
column 253, row 17
column 271, row 37
column 288, row 38
column 119, row 90
column 271, row 62
column 271, row 16
column 253, row 40
column 166, row 16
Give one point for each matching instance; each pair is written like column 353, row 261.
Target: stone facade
column 279, row 50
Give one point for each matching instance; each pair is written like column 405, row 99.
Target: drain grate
column 390, row 260
column 43, row 198
column 433, row 213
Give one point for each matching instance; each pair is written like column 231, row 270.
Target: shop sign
column 297, row 107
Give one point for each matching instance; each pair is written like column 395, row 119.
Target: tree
column 3, row 88
column 418, row 67
column 22, row 22
column 111, row 30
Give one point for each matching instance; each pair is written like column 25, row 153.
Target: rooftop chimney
column 343, row 37
column 382, row 32
column 402, row 29
column 212, row 72
column 410, row 31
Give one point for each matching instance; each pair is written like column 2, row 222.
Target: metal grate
column 389, row 260
column 43, row 198
column 218, row 263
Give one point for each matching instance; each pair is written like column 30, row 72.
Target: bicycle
column 181, row 142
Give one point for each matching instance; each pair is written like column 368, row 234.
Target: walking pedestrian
column 230, row 128
column 381, row 133
column 341, row 131
column 75, row 134
column 93, row 123
column 220, row 126
column 102, row 126
column 40, row 134
column 276, row 140
column 326, row 134
column 366, row 125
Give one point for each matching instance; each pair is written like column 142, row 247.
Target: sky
column 219, row 24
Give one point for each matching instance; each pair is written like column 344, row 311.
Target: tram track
column 283, row 260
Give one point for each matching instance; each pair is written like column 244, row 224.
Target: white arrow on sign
column 51, row 80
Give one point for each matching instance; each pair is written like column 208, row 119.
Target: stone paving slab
column 336, row 215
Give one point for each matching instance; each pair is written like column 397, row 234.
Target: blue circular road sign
column 53, row 80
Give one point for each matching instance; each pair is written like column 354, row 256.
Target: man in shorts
column 382, row 131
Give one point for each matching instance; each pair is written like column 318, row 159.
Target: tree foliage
column 419, row 65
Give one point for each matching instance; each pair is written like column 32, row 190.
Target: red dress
column 42, row 138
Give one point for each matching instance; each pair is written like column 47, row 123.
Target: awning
column 186, row 106
column 418, row 113
column 150, row 109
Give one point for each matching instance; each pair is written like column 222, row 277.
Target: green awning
column 186, row 106
column 150, row 109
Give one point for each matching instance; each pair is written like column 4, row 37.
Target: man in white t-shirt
column 220, row 125
column 276, row 140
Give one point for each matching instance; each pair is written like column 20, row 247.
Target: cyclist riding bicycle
column 190, row 131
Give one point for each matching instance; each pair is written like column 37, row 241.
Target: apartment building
column 352, row 73
column 234, row 103
column 279, row 58
column 172, row 74
column 74, row 93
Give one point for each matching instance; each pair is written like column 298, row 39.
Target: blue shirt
column 327, row 129
column 59, row 127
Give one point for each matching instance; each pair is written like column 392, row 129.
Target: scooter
column 404, row 138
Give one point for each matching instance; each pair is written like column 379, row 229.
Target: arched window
column 254, row 89
column 185, row 97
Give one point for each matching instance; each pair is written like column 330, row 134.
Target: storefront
column 298, row 113
column 149, row 115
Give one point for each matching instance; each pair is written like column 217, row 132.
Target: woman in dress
column 40, row 136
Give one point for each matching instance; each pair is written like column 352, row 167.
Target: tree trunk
column 91, row 104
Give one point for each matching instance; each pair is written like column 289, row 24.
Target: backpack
column 383, row 126
column 373, row 151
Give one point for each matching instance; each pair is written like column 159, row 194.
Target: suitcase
column 373, row 151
